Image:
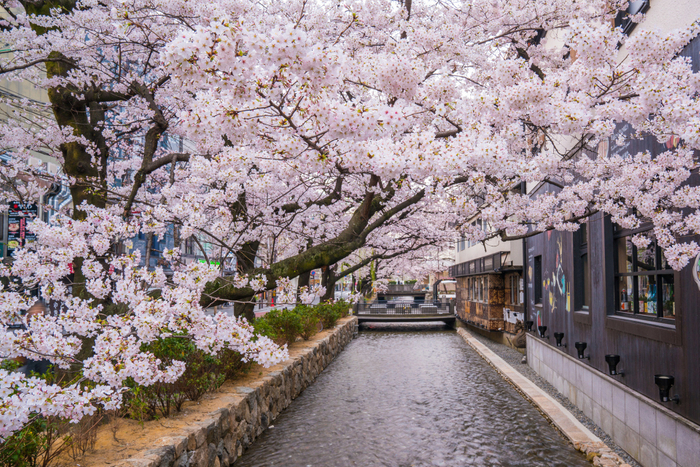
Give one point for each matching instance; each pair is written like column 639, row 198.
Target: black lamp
column 542, row 329
column 559, row 336
column 612, row 361
column 665, row 383
column 528, row 325
column 581, row 348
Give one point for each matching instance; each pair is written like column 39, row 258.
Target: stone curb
column 219, row 440
column 581, row 437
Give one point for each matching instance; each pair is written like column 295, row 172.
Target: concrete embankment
column 215, row 432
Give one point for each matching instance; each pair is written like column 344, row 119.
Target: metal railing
column 384, row 307
column 406, row 288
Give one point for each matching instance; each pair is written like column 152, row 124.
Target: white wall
column 644, row 428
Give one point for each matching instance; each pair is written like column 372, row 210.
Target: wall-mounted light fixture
column 580, row 349
column 528, row 325
column 612, row 361
column 542, row 330
column 559, row 336
column 665, row 383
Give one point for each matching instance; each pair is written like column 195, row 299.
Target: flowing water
column 410, row 395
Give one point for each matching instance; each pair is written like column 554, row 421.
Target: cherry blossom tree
column 309, row 130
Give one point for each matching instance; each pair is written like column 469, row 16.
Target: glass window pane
column 646, row 258
column 625, row 295
column 647, row 295
column 623, row 250
column 667, row 298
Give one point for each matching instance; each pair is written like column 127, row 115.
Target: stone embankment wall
column 219, row 440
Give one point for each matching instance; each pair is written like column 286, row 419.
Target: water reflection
column 417, row 397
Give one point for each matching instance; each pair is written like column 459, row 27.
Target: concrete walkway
column 580, row 436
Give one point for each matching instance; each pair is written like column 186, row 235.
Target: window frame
column 581, row 248
column 622, row 19
column 537, row 280
column 620, row 233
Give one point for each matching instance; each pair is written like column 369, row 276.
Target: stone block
column 224, row 419
column 618, row 404
column 632, row 412
column 687, row 446
column 137, row 462
column 578, row 375
column 213, row 430
column 182, row 460
column 596, row 382
column 199, row 458
column 596, row 415
column 586, row 380
column 629, row 441
column 211, row 454
column 647, row 422
column 586, row 405
column 179, row 443
column 163, row 456
column 606, row 422
column 200, row 437
column 606, row 395
column 647, row 454
column 665, row 435
column 665, row 461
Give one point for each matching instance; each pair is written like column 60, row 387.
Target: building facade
column 490, row 284
column 609, row 301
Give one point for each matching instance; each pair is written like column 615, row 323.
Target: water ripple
column 413, row 398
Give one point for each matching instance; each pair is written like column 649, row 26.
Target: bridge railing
column 406, row 288
column 383, row 307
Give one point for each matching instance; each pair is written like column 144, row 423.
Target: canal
column 410, row 395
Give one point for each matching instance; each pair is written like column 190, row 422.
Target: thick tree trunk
column 303, row 281
column 328, row 280
column 246, row 310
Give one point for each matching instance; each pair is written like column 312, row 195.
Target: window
column 537, row 279
column 644, row 282
column 582, row 275
column 514, row 282
column 623, row 17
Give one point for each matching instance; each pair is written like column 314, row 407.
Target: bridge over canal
column 404, row 312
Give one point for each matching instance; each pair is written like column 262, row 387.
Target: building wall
column 486, row 314
column 646, row 429
column 646, row 348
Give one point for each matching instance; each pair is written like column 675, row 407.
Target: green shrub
column 329, row 313
column 44, row 439
column 263, row 327
column 287, row 325
column 343, row 308
column 309, row 320
column 203, row 373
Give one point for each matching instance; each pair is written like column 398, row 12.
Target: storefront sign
column 19, row 217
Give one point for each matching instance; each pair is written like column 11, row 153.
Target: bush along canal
column 410, row 395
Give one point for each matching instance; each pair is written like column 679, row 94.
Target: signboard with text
column 18, row 218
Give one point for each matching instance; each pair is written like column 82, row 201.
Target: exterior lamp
column 543, row 330
column 612, row 361
column 528, row 325
column 580, row 349
column 559, row 336
column 665, row 383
